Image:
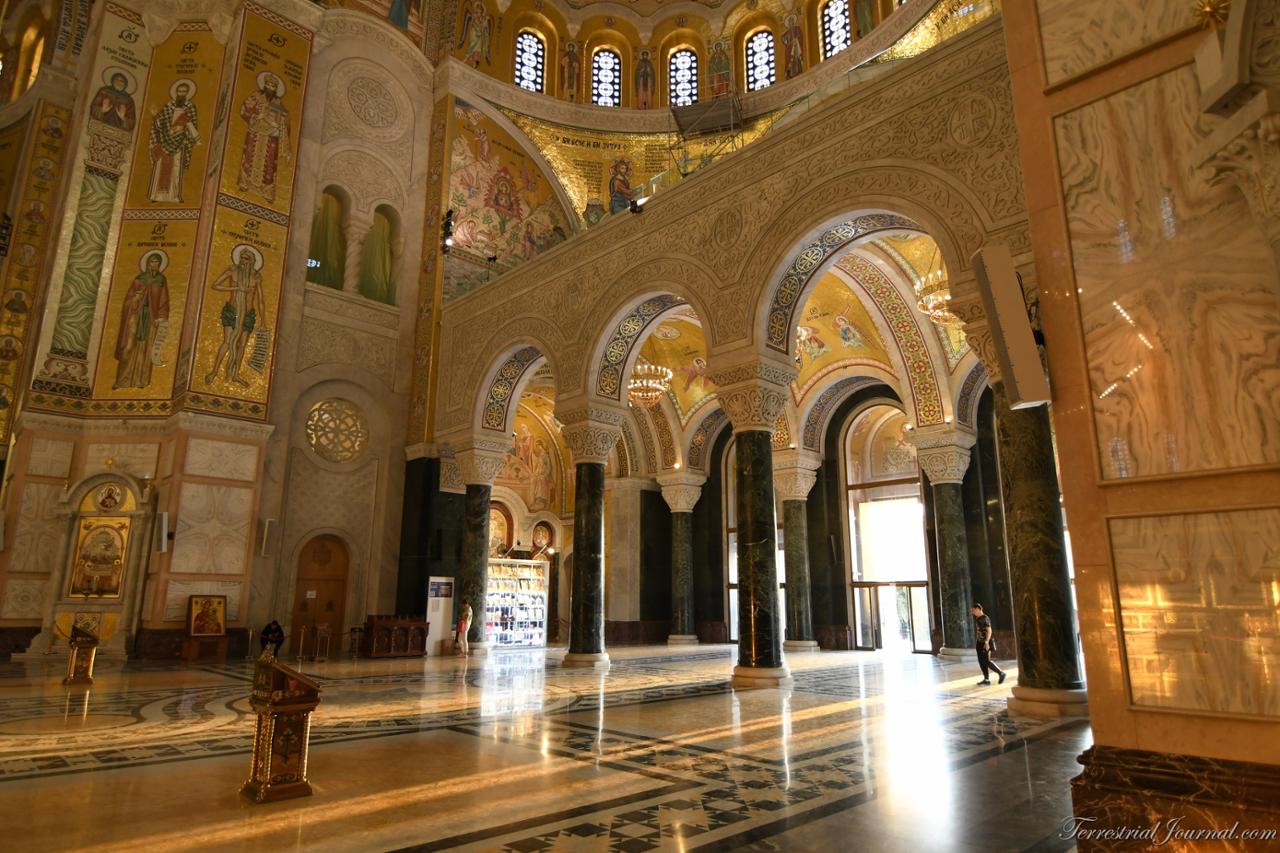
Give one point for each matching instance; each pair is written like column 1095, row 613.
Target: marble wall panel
column 223, row 459
column 1177, row 289
column 138, row 460
column 1082, row 34
column 37, row 540
column 23, row 599
column 213, row 529
column 176, row 593
column 50, row 457
column 1199, row 599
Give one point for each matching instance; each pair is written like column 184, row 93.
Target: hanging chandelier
column 649, row 383
column 933, row 295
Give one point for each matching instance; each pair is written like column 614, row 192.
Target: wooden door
column 320, row 596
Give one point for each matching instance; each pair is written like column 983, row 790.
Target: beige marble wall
column 214, row 526
column 1199, row 602
column 1176, row 286
column 1079, row 35
column 37, row 541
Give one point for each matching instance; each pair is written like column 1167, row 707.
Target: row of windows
column 682, row 77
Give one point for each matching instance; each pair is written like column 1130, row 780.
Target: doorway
column 891, row 616
column 320, row 595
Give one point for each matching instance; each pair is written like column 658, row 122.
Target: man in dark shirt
column 982, row 631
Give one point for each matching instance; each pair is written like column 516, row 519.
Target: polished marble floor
column 512, row 752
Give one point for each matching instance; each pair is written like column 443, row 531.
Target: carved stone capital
column 591, row 430
column 794, row 473
column 943, row 454
column 681, row 489
column 753, row 391
column 479, row 459
column 967, row 305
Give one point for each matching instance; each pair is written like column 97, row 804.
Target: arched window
column 682, row 79
column 375, row 260
column 327, row 253
column 836, row 35
column 606, row 78
column 531, row 58
column 760, row 65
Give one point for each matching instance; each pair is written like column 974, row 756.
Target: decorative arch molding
column 646, row 438
column 815, row 422
column 662, row 429
column 970, row 390
column 625, row 337
column 504, row 388
column 703, row 437
column 628, row 444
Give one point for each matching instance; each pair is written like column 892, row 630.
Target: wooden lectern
column 284, row 699
column 83, row 648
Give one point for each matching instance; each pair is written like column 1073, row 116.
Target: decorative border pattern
column 624, row 338
column 498, row 400
column 700, row 442
column 785, row 301
column 816, row 420
column 781, row 432
column 251, row 209
column 970, row 391
column 665, row 443
column 646, row 438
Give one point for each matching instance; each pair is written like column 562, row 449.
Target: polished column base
column 800, row 645
column 682, row 639
column 1035, row 702
column 748, row 677
column 587, row 660
column 958, row 654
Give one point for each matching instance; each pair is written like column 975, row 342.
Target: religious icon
column 477, row 26
column 620, row 191
column 9, row 350
column 719, row 70
column 207, row 615
column 267, row 139
column 792, row 46
column 499, row 534
column 646, row 81
column 144, row 322
column 850, row 337
column 503, row 199
column 694, row 371
column 17, row 302
column 98, row 559
column 571, row 69
column 242, row 314
column 174, row 132
column 113, row 104
column 108, row 497
column 808, row 343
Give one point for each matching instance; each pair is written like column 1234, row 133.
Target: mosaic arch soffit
column 815, row 422
column 970, row 390
column 703, row 436
column 504, row 388
column 625, row 339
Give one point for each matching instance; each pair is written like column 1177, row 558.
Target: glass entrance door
column 866, row 617
column 891, row 616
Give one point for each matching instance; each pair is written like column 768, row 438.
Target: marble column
column 794, row 473
column 478, row 463
column 354, row 231
column 1050, row 680
column 591, row 434
column 753, row 391
column 681, row 490
column 943, row 454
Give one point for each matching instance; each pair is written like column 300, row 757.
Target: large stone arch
column 505, row 378
column 814, row 426
column 470, row 352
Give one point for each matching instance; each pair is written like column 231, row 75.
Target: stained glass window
column 531, row 54
column 760, row 66
column 606, row 79
column 836, row 35
column 683, row 78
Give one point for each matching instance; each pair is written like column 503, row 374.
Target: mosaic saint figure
column 792, row 46
column 477, row 27
column 808, row 343
column 620, row 191
column 646, row 81
column 850, row 337
column 719, row 70
column 571, row 69
column 113, row 105
column 143, row 317
column 267, row 139
column 244, row 309
column 174, row 132
column 694, row 371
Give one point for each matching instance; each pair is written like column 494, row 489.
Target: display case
column 516, row 606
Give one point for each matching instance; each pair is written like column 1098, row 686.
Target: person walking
column 464, row 625
column 272, row 635
column 986, row 645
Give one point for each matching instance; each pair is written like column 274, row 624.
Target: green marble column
column 795, row 542
column 473, row 570
column 586, row 607
column 954, row 593
column 1048, row 655
column 682, row 626
column 759, row 637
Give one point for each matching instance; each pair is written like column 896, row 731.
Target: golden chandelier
column 933, row 295
column 649, row 383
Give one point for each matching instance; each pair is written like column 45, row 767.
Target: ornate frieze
column 753, row 392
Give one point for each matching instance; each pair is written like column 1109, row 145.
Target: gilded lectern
column 82, row 649
column 284, row 699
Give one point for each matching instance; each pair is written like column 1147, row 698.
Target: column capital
column 794, row 473
column 943, row 453
column 591, row 430
column 480, row 458
column 753, row 389
column 967, row 305
column 681, row 489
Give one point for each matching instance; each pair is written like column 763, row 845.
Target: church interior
column 626, row 425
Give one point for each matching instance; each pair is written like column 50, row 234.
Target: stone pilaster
column 478, row 461
column 752, row 391
column 943, row 455
column 681, row 490
column 591, row 434
column 794, row 473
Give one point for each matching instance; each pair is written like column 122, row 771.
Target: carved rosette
column 480, row 459
column 753, row 393
column 592, row 431
column 943, row 454
column 681, row 489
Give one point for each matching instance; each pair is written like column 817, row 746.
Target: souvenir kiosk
column 515, row 611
